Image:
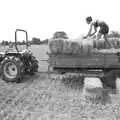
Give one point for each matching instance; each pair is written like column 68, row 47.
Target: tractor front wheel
column 11, row 69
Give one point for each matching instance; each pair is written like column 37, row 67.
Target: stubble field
column 42, row 98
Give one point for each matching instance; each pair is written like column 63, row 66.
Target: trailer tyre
column 11, row 69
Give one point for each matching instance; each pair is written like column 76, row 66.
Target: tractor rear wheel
column 11, row 69
column 34, row 63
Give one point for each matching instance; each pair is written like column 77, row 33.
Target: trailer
column 104, row 64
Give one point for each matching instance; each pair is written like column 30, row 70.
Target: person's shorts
column 104, row 30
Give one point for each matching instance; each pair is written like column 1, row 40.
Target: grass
column 50, row 99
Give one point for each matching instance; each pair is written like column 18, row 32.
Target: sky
column 41, row 18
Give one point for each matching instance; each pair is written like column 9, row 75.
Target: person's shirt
column 100, row 24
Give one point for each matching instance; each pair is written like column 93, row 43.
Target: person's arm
column 89, row 32
column 95, row 30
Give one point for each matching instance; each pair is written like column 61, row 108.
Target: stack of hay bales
column 67, row 46
column 71, row 47
column 102, row 44
column 79, row 45
column 99, row 44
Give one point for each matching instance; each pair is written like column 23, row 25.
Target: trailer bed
column 97, row 59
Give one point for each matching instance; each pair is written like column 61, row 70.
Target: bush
column 35, row 41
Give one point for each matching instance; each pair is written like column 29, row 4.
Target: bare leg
column 98, row 37
column 108, row 42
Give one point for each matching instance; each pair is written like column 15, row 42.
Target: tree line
column 34, row 41
column 58, row 34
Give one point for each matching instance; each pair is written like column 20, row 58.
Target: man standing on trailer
column 104, row 29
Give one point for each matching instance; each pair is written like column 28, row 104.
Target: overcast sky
column 41, row 18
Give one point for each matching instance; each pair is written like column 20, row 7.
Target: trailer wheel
column 109, row 80
column 11, row 69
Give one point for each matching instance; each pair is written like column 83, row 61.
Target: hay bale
column 66, row 47
column 56, row 45
column 87, row 45
column 92, row 81
column 76, row 47
column 92, row 90
column 101, row 44
column 93, row 95
column 72, row 46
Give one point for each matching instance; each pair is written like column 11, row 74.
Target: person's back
column 103, row 31
column 102, row 24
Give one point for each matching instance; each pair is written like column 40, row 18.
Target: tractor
column 16, row 64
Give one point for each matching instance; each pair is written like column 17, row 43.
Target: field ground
column 42, row 98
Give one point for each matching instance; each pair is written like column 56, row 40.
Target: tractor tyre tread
column 19, row 65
